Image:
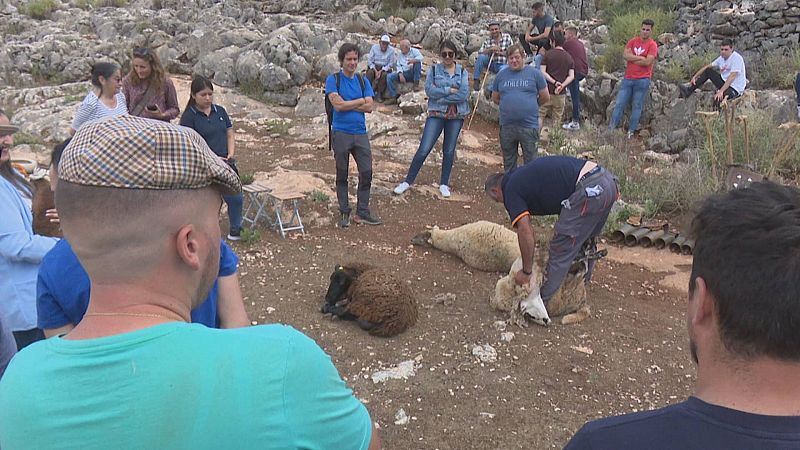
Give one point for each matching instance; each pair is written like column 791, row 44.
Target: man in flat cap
column 139, row 201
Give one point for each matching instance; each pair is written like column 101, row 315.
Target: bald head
column 405, row 45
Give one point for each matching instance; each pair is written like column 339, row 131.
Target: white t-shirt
column 733, row 64
column 92, row 109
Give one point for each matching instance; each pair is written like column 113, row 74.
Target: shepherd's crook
column 486, row 75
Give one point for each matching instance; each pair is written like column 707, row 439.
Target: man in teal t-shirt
column 139, row 201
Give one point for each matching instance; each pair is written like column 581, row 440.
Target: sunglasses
column 141, row 52
column 448, row 54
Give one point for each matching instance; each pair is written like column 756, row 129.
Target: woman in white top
column 104, row 100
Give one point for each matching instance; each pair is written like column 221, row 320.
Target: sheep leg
column 341, row 312
column 366, row 325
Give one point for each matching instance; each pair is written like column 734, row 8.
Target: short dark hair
column 494, row 180
column 557, row 38
column 747, row 249
column 447, row 43
column 103, row 69
column 346, row 48
column 727, row 42
column 571, row 29
column 558, row 24
column 55, row 156
column 537, row 6
column 648, row 22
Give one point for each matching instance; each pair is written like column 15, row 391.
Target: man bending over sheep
column 139, row 202
column 742, row 317
column 579, row 191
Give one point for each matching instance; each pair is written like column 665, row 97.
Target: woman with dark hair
column 21, row 250
column 211, row 121
column 104, row 100
column 148, row 91
column 447, row 86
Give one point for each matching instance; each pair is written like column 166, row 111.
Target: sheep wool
column 569, row 302
column 482, row 245
column 375, row 298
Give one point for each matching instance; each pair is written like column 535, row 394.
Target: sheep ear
column 338, row 268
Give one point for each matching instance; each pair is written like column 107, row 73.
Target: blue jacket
column 437, row 85
column 21, row 251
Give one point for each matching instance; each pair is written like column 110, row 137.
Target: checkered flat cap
column 130, row 152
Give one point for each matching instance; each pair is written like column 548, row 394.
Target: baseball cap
column 5, row 130
column 130, row 152
column 385, row 38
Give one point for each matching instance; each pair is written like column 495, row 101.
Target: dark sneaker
column 685, row 89
column 367, row 219
column 391, row 100
column 344, row 222
column 476, row 85
column 235, row 235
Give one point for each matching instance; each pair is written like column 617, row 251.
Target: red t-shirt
column 641, row 48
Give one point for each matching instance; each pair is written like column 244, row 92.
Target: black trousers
column 543, row 43
column 716, row 79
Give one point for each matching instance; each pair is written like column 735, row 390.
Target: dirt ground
column 630, row 355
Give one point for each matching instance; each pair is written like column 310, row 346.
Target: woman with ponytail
column 104, row 100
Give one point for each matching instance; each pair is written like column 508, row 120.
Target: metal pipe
column 663, row 241
column 623, row 231
column 633, row 238
column 675, row 246
column 687, row 248
column 648, row 239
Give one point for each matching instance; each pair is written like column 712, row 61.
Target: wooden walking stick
column 480, row 92
column 743, row 119
column 706, row 116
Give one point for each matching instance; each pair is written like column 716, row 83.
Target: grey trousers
column 511, row 138
column 583, row 216
column 344, row 145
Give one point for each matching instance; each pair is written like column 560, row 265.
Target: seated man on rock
column 727, row 73
column 409, row 70
column 380, row 62
column 492, row 54
column 139, row 201
column 742, row 315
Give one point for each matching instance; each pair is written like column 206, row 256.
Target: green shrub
column 250, row 236
column 247, row 178
column 677, row 71
column 776, row 71
column 40, row 9
column 624, row 27
column 611, row 60
column 89, row 4
column 23, row 138
column 319, row 197
column 613, row 8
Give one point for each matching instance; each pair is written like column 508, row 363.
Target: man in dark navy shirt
column 743, row 315
column 579, row 191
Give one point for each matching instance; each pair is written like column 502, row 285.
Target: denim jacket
column 21, row 251
column 437, row 85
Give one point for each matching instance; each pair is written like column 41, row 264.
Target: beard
column 208, row 278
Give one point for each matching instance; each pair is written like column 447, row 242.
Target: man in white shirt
column 727, row 72
column 409, row 70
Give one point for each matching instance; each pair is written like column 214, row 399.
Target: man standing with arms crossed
column 351, row 98
column 640, row 54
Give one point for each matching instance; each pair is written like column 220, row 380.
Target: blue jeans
column 636, row 89
column 482, row 63
column 234, row 203
column 537, row 60
column 433, row 128
column 797, row 88
column 575, row 96
column 411, row 75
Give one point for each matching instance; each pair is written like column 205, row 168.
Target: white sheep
column 482, row 245
column 525, row 302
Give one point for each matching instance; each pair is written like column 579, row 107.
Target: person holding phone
column 212, row 122
column 149, row 92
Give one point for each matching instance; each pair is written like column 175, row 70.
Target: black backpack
column 329, row 105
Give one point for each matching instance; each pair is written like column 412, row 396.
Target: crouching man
column 139, row 202
column 580, row 192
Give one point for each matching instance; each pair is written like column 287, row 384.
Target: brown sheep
column 379, row 302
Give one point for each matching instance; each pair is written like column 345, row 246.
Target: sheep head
column 423, row 239
column 531, row 306
column 341, row 279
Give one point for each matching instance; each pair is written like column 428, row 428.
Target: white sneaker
column 571, row 126
column 445, row 191
column 402, row 187
column 630, row 135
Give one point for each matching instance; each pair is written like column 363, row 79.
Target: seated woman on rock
column 149, row 92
